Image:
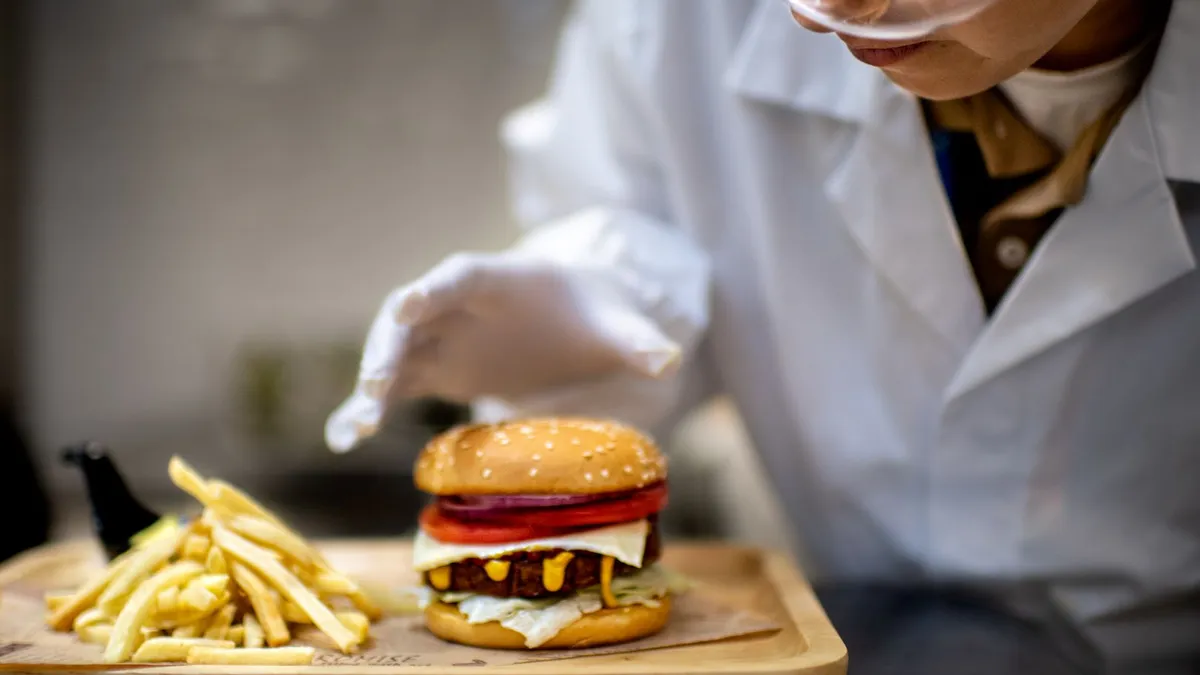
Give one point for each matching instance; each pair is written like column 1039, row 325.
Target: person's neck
column 1111, row 29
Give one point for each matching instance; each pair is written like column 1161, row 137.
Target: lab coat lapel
column 886, row 188
column 892, row 201
column 1121, row 244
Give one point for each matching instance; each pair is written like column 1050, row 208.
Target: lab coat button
column 1012, row 252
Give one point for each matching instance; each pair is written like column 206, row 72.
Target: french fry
column 195, row 547
column 185, row 592
column 278, row 656
column 190, row 630
column 91, row 617
column 235, row 500
column 274, row 537
column 266, row 607
column 215, row 563
column 217, row 584
column 287, row 583
column 196, row 598
column 62, row 618
column 56, row 599
column 221, row 621
column 168, row 600
column 134, row 614
column 306, row 575
column 332, row 584
column 253, row 637
column 165, row 526
column 391, row 600
column 329, row 582
column 186, row 479
column 183, row 617
column 96, row 634
column 141, row 564
column 357, row 622
column 166, row 650
column 293, row 614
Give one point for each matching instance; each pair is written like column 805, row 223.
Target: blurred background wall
column 218, row 194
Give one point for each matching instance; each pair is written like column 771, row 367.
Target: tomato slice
column 454, row 531
column 503, row 526
column 623, row 509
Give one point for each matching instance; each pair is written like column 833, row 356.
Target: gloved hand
column 499, row 325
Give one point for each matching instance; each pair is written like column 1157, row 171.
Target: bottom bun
column 606, row 627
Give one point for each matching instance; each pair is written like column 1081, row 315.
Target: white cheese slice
column 625, row 542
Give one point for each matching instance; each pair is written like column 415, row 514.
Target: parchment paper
column 396, row 641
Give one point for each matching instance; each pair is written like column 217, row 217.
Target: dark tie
column 1005, row 182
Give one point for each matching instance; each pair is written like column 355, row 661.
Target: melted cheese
column 625, row 542
column 554, row 570
column 440, row 578
column 497, row 570
column 606, row 572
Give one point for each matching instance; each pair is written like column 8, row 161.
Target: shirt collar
column 779, row 63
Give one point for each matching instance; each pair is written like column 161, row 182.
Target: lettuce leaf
column 541, row 620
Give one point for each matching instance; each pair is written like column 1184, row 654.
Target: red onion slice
column 483, row 506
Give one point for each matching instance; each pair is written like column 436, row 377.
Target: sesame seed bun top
column 539, row 456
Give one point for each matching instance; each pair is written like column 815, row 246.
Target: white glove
column 498, row 325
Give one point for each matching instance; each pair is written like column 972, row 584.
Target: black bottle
column 116, row 514
column 24, row 497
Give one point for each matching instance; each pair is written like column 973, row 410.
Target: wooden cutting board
column 763, row 582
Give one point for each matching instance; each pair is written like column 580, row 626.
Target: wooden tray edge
column 826, row 653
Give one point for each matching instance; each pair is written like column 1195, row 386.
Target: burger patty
column 524, row 579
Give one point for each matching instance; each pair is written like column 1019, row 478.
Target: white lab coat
column 908, row 435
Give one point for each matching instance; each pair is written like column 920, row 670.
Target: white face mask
column 887, row 19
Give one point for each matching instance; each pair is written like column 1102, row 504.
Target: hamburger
column 542, row 534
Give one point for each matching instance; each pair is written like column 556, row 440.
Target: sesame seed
column 533, row 471
column 527, row 430
column 479, row 453
column 549, row 445
column 587, row 455
column 604, row 473
column 503, row 440
column 487, row 473
column 587, row 477
column 537, row 458
column 628, row 469
column 574, row 441
column 599, row 449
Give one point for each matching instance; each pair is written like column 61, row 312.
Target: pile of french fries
column 226, row 588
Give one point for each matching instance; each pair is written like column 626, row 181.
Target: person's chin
column 932, row 76
column 934, row 88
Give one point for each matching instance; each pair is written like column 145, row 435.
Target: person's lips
column 883, row 54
